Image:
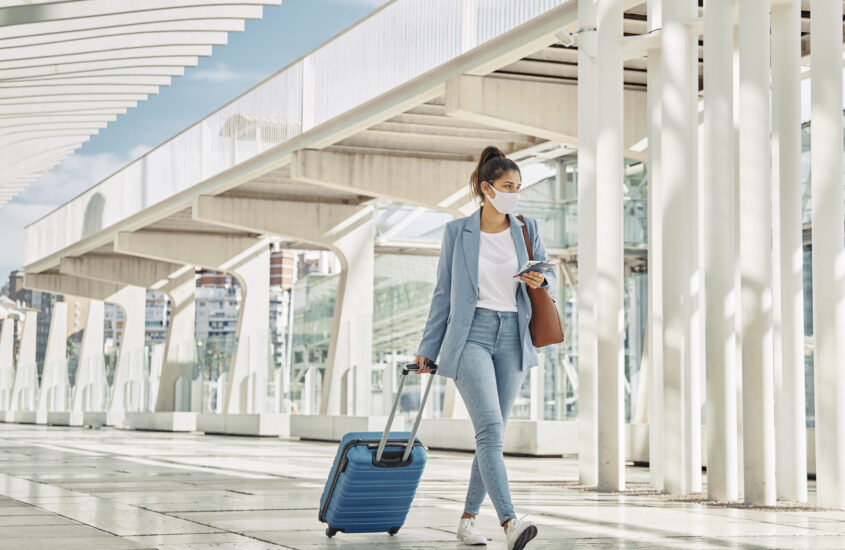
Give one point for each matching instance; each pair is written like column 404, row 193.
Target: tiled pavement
column 72, row 488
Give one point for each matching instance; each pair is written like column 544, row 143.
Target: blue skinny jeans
column 489, row 378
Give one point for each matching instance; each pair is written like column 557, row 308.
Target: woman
column 478, row 324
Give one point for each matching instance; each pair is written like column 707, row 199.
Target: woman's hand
column 533, row 278
column 421, row 362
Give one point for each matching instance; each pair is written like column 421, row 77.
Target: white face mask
column 503, row 202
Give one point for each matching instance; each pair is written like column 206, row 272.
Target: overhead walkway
column 303, row 156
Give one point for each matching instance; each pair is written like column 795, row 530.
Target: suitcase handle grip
column 412, row 367
column 410, row 445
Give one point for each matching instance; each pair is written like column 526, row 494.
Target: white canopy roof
column 68, row 68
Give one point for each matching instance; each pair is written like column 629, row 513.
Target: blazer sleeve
column 551, row 282
column 438, row 313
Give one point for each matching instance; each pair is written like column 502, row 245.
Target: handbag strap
column 525, row 236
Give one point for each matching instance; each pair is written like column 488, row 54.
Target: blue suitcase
column 375, row 476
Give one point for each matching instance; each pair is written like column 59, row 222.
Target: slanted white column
column 54, row 380
column 128, row 381
column 788, row 256
column 717, row 195
column 828, row 253
column 89, row 392
column 7, row 364
column 249, row 375
column 678, row 90
column 610, row 247
column 588, row 472
column 756, row 253
column 347, row 230
column 655, row 254
column 354, row 314
column 179, row 349
column 25, row 391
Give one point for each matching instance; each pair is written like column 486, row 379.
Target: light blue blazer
column 456, row 293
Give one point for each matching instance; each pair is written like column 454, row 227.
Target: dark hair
column 491, row 165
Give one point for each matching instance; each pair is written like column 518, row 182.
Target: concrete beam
column 209, row 251
column 122, row 269
column 421, row 181
column 543, row 109
column 310, row 222
column 69, row 285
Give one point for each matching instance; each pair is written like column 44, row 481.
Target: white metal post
column 655, row 254
column 719, row 255
column 609, row 246
column 678, row 90
column 587, row 338
column 828, row 253
column 788, row 257
column 756, row 253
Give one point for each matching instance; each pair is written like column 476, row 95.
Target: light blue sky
column 284, row 34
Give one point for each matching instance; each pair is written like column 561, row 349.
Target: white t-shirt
column 497, row 263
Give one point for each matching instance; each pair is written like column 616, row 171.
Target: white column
column 179, row 348
column 678, row 175
column 353, row 319
column 89, row 389
column 828, row 254
column 719, row 254
column 788, row 256
column 252, row 356
column 129, row 371
column 54, row 380
column 655, row 255
column 587, row 337
column 26, row 374
column 756, row 253
column 609, row 246
column 695, row 390
column 7, row 365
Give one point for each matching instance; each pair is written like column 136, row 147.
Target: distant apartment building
column 113, row 327
column 156, row 318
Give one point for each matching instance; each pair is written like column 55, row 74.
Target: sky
column 285, row 33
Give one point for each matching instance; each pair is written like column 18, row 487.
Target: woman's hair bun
column 491, row 165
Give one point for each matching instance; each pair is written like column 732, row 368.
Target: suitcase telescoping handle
column 405, row 370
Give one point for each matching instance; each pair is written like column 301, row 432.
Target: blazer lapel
column 518, row 239
column 521, row 250
column 471, row 244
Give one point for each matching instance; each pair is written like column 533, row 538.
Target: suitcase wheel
column 393, row 530
column 330, row 532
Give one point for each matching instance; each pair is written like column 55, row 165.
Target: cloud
column 220, row 72
column 73, row 176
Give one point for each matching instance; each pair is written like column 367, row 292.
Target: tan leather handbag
column 545, row 325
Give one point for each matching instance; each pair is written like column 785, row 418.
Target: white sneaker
column 519, row 533
column 468, row 534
